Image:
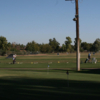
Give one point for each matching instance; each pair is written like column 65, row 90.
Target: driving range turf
column 31, row 79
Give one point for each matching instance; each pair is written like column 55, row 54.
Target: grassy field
column 31, row 79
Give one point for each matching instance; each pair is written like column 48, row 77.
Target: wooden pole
column 77, row 38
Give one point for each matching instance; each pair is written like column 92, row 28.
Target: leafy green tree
column 32, row 46
column 45, row 48
column 22, row 47
column 8, row 46
column 96, row 45
column 89, row 46
column 68, row 41
column 63, row 48
column 54, row 44
column 86, row 46
column 17, row 47
column 72, row 48
column 13, row 46
column 3, row 43
column 68, row 44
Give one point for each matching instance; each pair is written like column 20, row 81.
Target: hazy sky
column 23, row 21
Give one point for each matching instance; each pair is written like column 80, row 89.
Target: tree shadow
column 91, row 71
column 21, row 88
column 83, row 70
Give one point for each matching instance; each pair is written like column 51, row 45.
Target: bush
column 2, row 52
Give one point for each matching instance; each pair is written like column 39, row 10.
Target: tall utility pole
column 77, row 35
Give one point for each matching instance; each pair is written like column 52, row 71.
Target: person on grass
column 89, row 56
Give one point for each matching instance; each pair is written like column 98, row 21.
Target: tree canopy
column 3, row 43
column 52, row 46
column 32, row 46
column 96, row 45
column 68, row 44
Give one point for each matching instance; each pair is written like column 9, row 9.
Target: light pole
column 77, row 36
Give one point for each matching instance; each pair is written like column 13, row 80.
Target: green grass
column 36, row 82
column 52, row 84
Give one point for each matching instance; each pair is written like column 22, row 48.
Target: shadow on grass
column 40, row 70
column 15, row 88
column 91, row 71
column 85, row 70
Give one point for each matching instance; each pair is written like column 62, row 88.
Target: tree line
column 52, row 46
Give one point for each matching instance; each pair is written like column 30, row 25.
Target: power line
column 80, row 1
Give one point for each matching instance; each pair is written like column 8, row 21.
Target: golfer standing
column 13, row 60
column 89, row 56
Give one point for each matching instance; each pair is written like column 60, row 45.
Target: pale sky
column 23, row 21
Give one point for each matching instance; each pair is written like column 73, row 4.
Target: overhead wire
column 56, row 2
column 72, row 1
column 80, row 1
